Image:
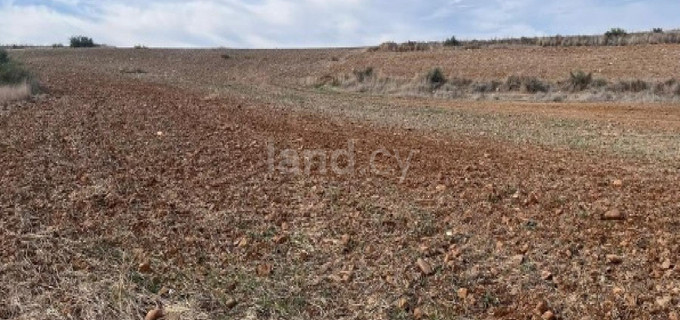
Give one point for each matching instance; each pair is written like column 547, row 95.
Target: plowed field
column 155, row 177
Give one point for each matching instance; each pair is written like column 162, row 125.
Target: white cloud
column 291, row 23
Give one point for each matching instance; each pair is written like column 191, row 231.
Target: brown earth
column 121, row 191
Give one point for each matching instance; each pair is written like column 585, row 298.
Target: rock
column 517, row 259
column 441, row 188
column 145, row 267
column 425, row 267
column 666, row 264
column 548, row 315
column 617, row 183
column 155, row 314
column 280, row 239
column 264, row 270
column 230, row 303
column 618, row 291
column 663, row 302
column 418, row 313
column 614, row 259
column 164, row 291
column 613, row 215
column 344, row 240
column 546, row 275
column 462, row 293
column 541, row 307
column 673, row 316
column 402, row 304
column 631, row 300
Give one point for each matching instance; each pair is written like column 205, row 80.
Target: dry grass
column 514, row 87
column 14, row 93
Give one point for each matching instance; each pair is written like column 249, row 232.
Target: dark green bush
column 615, row 33
column 452, row 42
column 657, row 30
column 436, row 78
column 13, row 73
column 81, row 42
column 4, row 57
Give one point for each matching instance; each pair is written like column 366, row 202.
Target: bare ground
column 120, row 191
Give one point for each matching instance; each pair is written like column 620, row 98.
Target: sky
column 317, row 23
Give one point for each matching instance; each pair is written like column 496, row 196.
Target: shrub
column 13, row 73
column 615, row 33
column 364, row 74
column 526, row 84
column 452, row 42
column 631, row 86
column 485, row 87
column 580, row 80
column 657, row 30
column 513, row 83
column 534, row 85
column 599, row 83
column 436, row 78
column 81, row 42
column 140, row 46
column 57, row 45
column 4, row 57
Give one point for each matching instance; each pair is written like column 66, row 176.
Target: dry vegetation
column 614, row 37
column 16, row 83
column 125, row 191
column 14, row 92
column 578, row 86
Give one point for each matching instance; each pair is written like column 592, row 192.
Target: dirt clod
column 155, row 314
column 425, row 267
column 614, row 259
column 548, row 315
column 541, row 307
column 613, row 215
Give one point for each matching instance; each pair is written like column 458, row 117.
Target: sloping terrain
column 124, row 190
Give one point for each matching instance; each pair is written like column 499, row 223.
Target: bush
column 526, row 84
column 13, row 73
column 4, row 57
column 81, row 42
column 486, row 87
column 140, row 46
column 364, row 74
column 615, row 33
column 657, row 30
column 580, row 80
column 630, row 86
column 57, row 45
column 452, row 42
column 436, row 78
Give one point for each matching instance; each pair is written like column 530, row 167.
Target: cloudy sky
column 317, row 23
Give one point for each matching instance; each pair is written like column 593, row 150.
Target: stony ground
column 143, row 178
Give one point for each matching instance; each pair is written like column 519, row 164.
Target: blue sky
column 317, row 23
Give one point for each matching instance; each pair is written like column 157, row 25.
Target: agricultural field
column 343, row 184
